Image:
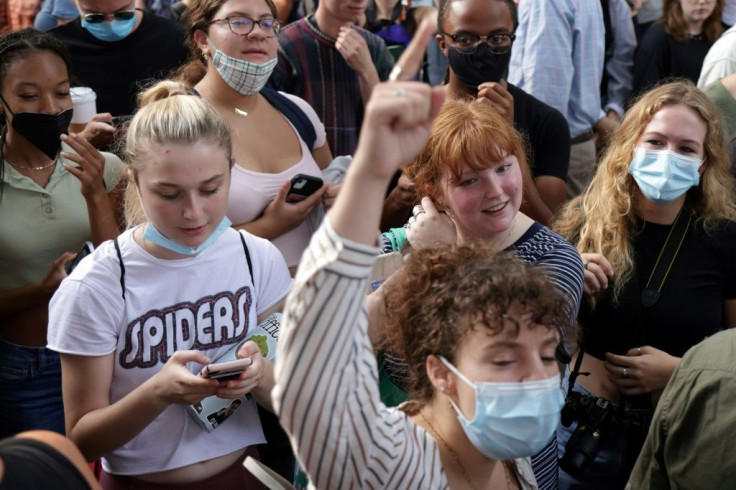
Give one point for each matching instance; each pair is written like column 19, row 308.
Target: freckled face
column 484, row 203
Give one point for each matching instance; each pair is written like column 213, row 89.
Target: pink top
column 251, row 192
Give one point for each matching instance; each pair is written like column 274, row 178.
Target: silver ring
column 638, row 350
column 400, row 92
column 585, row 264
column 416, row 210
column 395, row 73
column 624, row 373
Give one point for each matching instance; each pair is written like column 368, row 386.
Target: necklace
column 457, row 458
column 41, row 167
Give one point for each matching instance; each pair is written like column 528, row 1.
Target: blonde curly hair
column 603, row 220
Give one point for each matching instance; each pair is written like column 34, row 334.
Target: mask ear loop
column 460, row 375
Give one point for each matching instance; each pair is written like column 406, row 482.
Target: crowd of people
column 552, row 190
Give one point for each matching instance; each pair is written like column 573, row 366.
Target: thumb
column 283, row 191
column 249, row 349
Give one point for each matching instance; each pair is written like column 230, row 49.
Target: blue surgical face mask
column 110, row 31
column 663, row 175
column 154, row 236
column 512, row 420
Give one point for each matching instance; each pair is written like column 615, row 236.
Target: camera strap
column 652, row 291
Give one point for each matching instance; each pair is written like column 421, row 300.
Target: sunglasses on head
column 97, row 18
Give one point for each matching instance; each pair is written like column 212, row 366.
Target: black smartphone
column 118, row 121
column 302, row 186
column 86, row 249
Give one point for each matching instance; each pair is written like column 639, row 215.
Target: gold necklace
column 457, row 458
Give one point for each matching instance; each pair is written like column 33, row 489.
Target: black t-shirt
column 546, row 132
column 690, row 307
column 660, row 56
column 117, row 71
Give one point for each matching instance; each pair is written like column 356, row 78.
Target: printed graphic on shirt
column 211, row 322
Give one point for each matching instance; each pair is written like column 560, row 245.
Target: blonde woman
column 136, row 320
column 665, row 161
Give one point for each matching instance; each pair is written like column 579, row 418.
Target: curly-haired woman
column 664, row 179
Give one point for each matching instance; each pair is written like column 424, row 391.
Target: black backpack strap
column 122, row 266
column 293, row 113
column 247, row 259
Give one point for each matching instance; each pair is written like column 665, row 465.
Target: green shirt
column 37, row 224
column 691, row 441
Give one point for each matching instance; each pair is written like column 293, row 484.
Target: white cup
column 84, row 101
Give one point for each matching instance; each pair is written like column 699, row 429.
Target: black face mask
column 481, row 66
column 42, row 130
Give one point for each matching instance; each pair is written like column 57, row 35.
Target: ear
column 439, row 376
column 200, row 37
column 703, row 167
column 441, row 43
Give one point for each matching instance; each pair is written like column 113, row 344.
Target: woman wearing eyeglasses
column 477, row 37
column 235, row 44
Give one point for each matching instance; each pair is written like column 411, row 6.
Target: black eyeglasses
column 243, row 26
column 467, row 43
column 98, row 17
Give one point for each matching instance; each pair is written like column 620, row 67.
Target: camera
column 596, row 418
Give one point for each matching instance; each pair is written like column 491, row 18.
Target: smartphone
column 118, row 121
column 86, row 249
column 302, row 186
column 224, row 371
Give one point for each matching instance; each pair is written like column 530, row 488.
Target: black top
column 660, row 56
column 32, row 464
column 546, row 132
column 690, row 307
column 116, row 71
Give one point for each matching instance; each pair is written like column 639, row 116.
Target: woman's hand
column 598, row 271
column 641, row 370
column 328, row 198
column 285, row 216
column 99, row 131
column 91, row 166
column 248, row 379
column 429, row 227
column 175, row 384
column 56, row 274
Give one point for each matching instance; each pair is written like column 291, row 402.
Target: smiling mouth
column 496, row 208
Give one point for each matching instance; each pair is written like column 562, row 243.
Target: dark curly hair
column 444, row 5
column 443, row 293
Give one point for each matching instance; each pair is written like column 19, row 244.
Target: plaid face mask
column 243, row 76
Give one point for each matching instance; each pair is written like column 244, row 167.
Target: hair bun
column 163, row 90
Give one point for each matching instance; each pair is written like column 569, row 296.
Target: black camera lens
column 580, row 451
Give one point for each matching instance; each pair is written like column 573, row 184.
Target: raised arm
column 326, row 387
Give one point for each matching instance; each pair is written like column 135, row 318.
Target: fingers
column 411, row 59
column 597, row 272
column 62, row 261
column 283, row 191
column 248, row 349
column 104, row 117
column 182, row 357
column 429, row 207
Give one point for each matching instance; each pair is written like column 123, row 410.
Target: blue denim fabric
column 604, row 472
column 30, row 389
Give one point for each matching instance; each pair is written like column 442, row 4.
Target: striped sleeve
column 326, row 391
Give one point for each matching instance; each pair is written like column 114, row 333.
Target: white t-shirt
column 206, row 302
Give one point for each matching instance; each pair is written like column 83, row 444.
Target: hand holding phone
column 86, row 249
column 224, row 371
column 302, row 186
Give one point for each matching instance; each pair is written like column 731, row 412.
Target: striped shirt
column 326, row 391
